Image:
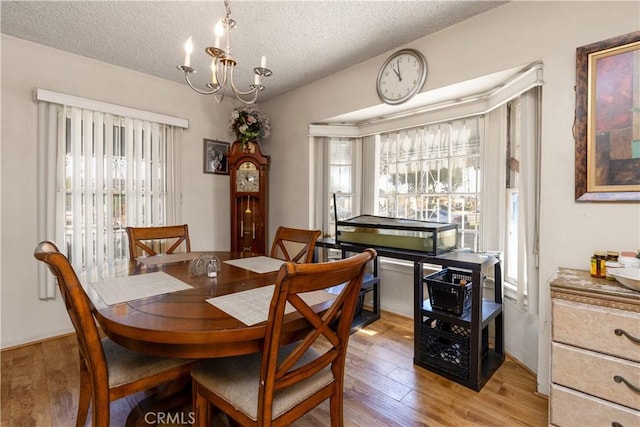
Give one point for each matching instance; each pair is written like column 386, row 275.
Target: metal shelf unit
column 480, row 360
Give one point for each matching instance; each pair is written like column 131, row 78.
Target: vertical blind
column 100, row 172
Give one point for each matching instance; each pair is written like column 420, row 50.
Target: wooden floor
column 382, row 387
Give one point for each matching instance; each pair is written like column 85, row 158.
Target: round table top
column 183, row 323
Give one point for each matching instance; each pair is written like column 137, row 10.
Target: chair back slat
column 154, row 240
column 294, row 244
column 332, row 326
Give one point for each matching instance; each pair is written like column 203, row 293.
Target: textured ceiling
column 302, row 40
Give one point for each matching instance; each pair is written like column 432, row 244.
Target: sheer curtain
column 523, row 125
column 98, row 172
column 528, row 122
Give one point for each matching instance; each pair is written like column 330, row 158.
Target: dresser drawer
column 570, row 408
column 592, row 327
column 593, row 373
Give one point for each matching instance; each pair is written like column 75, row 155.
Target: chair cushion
column 235, row 379
column 126, row 366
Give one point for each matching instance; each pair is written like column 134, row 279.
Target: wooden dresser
column 595, row 352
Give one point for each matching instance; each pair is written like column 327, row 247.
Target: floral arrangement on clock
column 249, row 124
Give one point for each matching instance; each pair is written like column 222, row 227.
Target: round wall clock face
column 402, row 76
column 248, row 178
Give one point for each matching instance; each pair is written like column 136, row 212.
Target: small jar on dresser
column 595, row 352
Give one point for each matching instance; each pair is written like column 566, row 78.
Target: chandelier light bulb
column 218, row 32
column 188, row 48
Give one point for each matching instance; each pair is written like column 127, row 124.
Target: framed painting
column 215, row 157
column 607, row 122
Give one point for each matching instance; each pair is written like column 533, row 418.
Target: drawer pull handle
column 620, row 332
column 616, row 424
column 619, row 379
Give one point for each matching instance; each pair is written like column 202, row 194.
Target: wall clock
column 248, row 170
column 401, row 76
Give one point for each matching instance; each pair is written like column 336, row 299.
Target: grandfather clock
column 249, row 172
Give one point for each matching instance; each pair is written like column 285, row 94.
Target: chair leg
column 85, row 393
column 201, row 408
column 335, row 409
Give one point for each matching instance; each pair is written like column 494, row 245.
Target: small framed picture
column 215, row 157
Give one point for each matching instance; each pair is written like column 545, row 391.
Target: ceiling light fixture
column 223, row 64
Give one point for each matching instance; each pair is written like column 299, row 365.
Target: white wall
column 26, row 66
column 516, row 34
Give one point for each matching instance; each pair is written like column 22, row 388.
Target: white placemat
column 257, row 264
column 168, row 258
column 122, row 289
column 252, row 306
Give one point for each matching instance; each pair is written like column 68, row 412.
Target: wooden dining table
column 183, row 323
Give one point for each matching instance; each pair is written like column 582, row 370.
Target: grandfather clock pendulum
column 248, row 170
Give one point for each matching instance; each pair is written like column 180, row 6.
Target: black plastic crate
column 450, row 290
column 446, row 347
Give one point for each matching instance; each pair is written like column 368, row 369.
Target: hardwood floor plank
column 30, row 405
column 383, row 388
column 5, row 387
column 62, row 378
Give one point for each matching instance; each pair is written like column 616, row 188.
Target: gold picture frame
column 607, row 122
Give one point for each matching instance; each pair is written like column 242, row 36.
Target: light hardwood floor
column 382, row 387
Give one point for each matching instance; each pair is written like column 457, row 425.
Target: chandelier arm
column 238, row 92
column 200, row 91
column 248, row 102
column 224, row 89
column 252, row 89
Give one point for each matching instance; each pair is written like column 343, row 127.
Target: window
column 522, row 198
column 453, row 170
column 340, row 182
column 339, row 201
column 101, row 168
column 432, row 173
column 512, row 194
column 115, row 175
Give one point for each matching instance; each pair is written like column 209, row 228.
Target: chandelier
column 223, row 64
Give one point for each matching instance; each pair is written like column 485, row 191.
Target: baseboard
column 27, row 344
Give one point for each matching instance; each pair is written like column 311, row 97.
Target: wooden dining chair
column 154, row 240
column 294, row 244
column 108, row 371
column 284, row 382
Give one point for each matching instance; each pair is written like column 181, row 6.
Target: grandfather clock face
column 247, row 178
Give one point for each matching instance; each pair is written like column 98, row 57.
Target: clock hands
column 397, row 71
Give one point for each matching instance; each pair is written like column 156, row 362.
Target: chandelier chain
column 227, row 7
